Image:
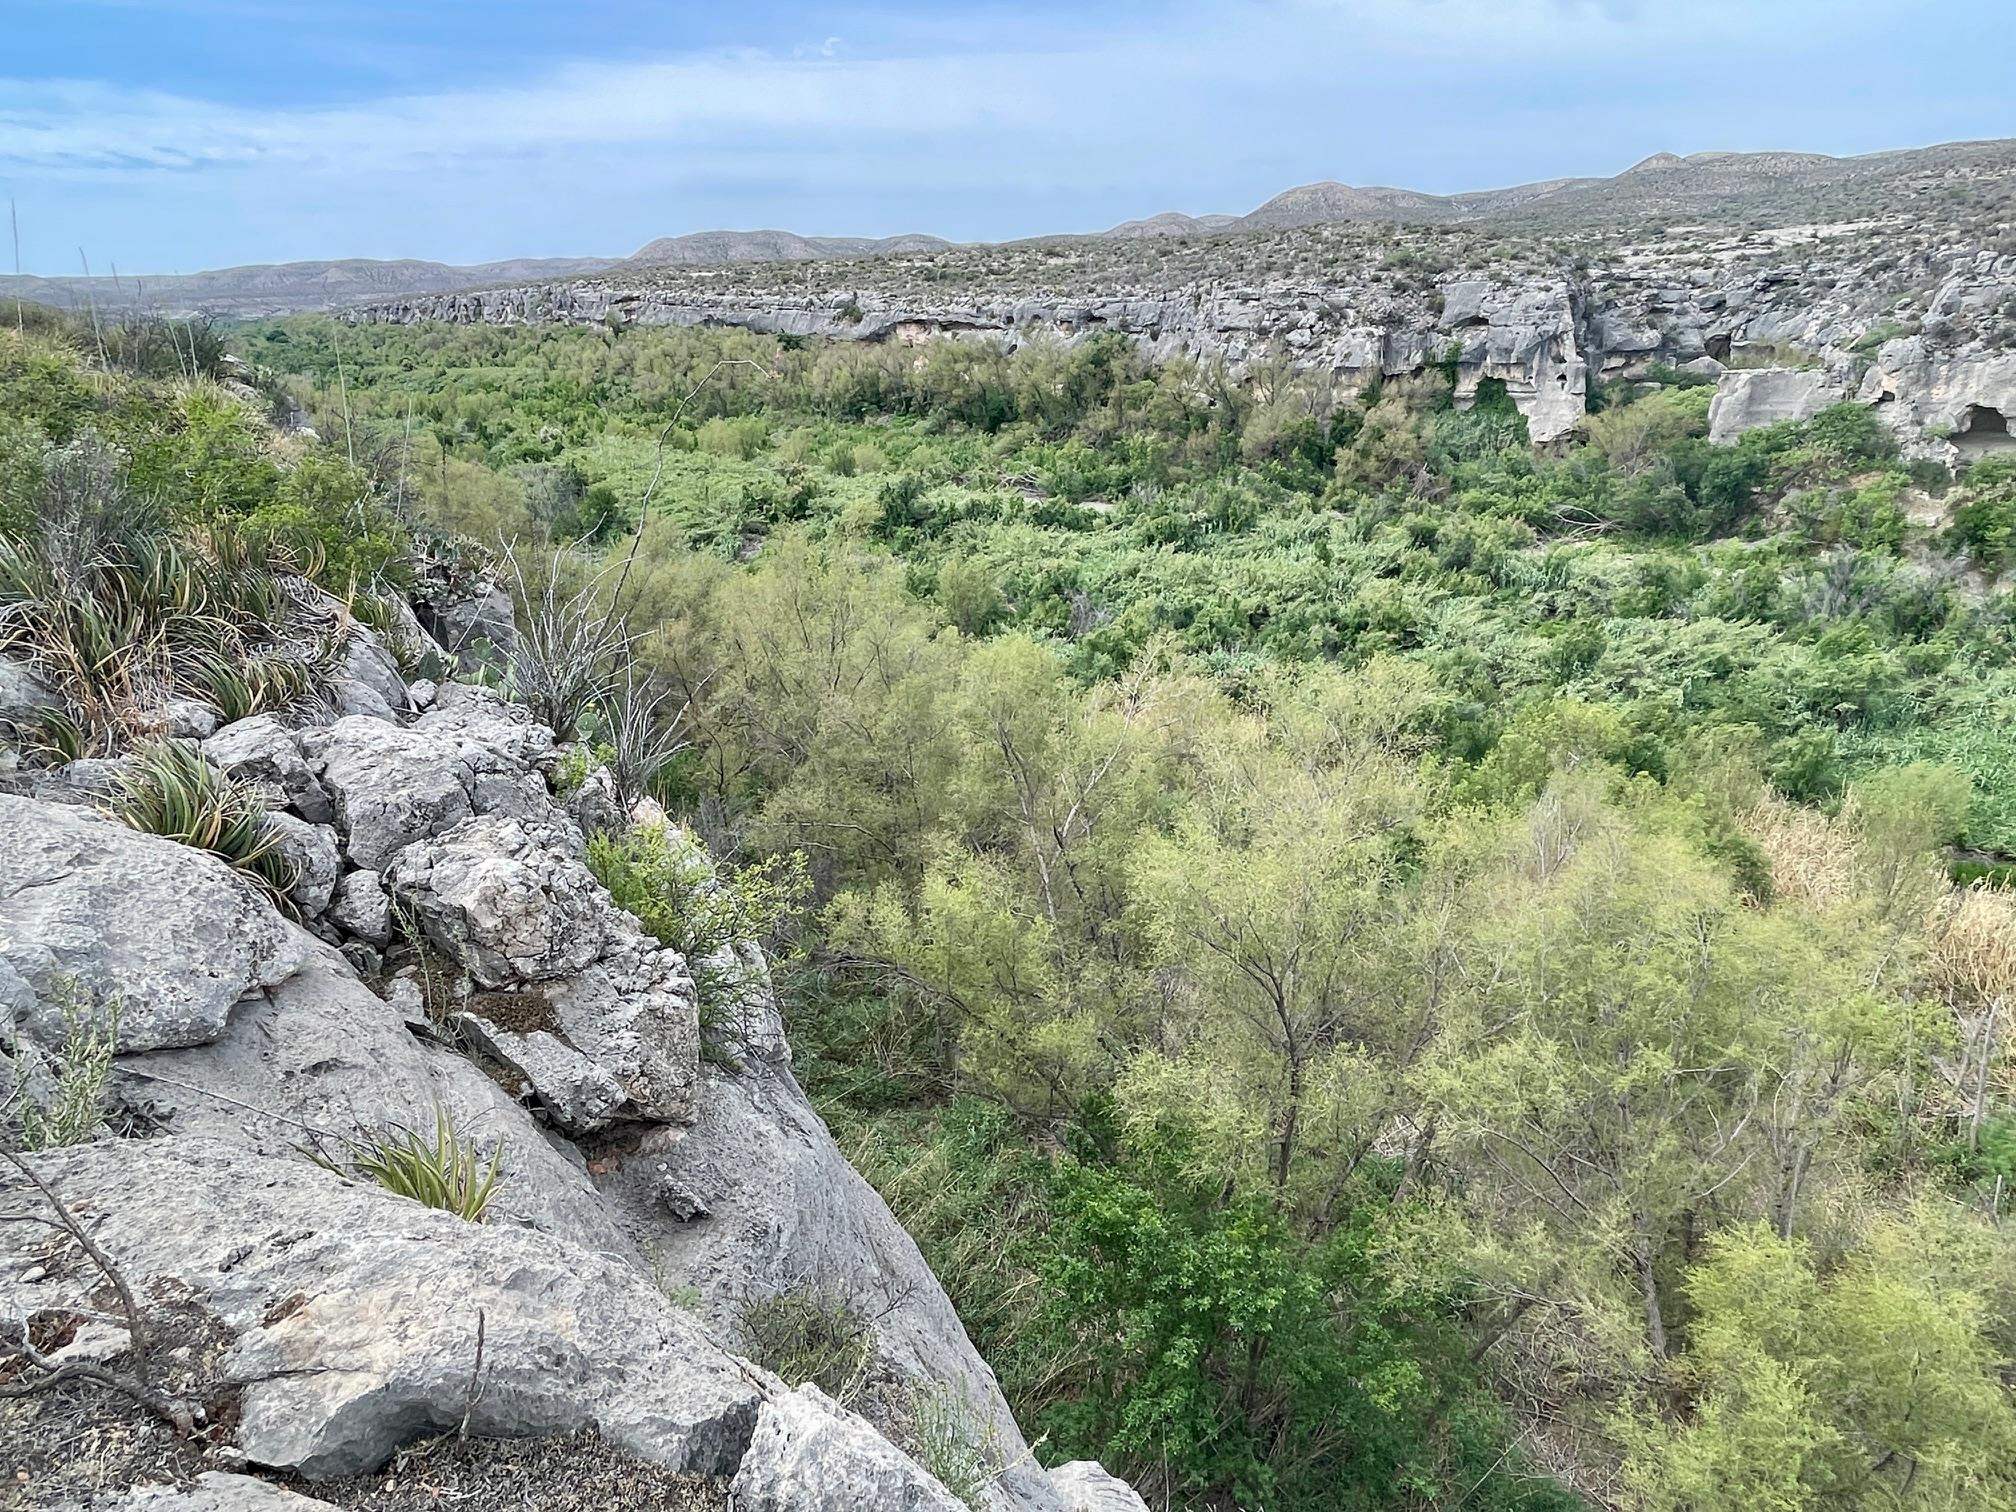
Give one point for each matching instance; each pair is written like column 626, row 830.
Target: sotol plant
column 174, row 792
column 442, row 1169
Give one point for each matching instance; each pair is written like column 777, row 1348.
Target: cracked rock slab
column 355, row 1313
column 93, row 910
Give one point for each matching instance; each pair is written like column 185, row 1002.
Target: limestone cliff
column 1922, row 326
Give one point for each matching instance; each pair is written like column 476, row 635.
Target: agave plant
column 122, row 610
column 442, row 1170
column 173, row 792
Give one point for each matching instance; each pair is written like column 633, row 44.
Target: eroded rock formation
column 645, row 1198
column 1815, row 301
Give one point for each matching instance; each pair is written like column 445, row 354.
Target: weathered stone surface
column 320, row 1059
column 367, row 660
column 578, row 1095
column 263, row 750
column 24, row 696
column 390, row 786
column 188, row 719
column 593, row 805
column 83, row 784
column 1084, row 1486
column 510, row 902
column 309, row 852
column 356, row 1312
column 757, row 1199
column 169, row 933
column 811, row 1455
column 467, row 620
column 1750, row 397
column 504, row 899
column 218, row 1491
column 486, row 727
column 360, row 906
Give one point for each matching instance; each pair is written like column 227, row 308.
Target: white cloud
column 78, row 127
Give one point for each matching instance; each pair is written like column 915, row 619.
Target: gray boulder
column 390, row 786
column 485, row 726
column 366, row 660
column 577, row 1094
column 86, row 783
column 1084, row 1486
column 359, row 906
column 171, row 934
column 309, row 852
column 809, row 1454
column 24, row 696
column 467, row 621
column 355, row 1313
column 218, row 1491
column 263, row 750
column 320, row 1060
column 505, row 899
column 188, row 719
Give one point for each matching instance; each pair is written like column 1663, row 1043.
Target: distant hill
column 1172, row 223
column 1747, row 188
column 708, row 247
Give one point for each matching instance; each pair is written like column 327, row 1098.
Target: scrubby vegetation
column 160, row 542
column 1382, row 969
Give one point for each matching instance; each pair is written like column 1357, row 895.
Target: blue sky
column 167, row 135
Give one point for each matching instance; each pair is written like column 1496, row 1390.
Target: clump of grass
column 121, row 609
column 948, row 1446
column 172, row 791
column 73, row 1111
column 810, row 1334
column 441, row 1170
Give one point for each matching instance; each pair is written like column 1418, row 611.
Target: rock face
column 1331, row 301
column 97, row 915
column 24, row 697
column 810, row 1455
column 248, row 1044
column 757, row 1199
column 1765, row 396
column 355, row 1317
column 1084, row 1486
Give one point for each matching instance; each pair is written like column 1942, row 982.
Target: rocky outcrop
column 1084, row 1486
column 810, row 1455
column 24, row 697
column 1544, row 327
column 516, row 1002
column 162, row 939
column 355, row 1317
column 1765, row 396
column 756, row 1199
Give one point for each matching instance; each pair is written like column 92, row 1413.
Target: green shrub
column 677, row 892
column 811, row 1334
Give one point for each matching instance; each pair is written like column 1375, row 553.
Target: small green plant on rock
column 71, row 1111
column 811, row 1334
column 442, row 1170
column 948, row 1444
column 172, row 791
